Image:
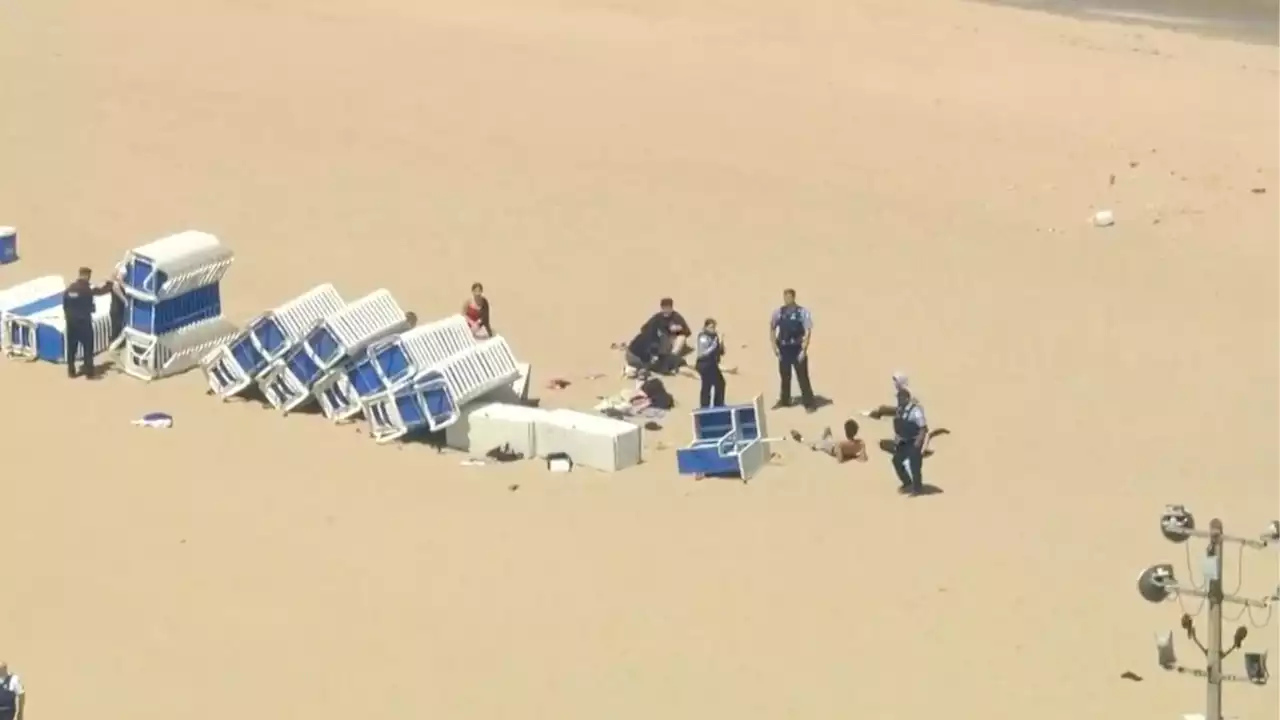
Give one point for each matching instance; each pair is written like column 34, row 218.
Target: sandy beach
column 922, row 173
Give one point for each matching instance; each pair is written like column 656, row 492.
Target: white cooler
column 589, row 440
column 481, row 427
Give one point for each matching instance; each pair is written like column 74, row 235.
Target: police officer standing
column 790, row 330
column 910, row 431
column 710, row 348
column 11, row 694
column 77, row 307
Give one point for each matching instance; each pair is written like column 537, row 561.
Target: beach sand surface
column 922, row 173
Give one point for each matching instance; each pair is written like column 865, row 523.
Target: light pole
column 1157, row 584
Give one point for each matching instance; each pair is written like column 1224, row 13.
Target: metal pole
column 1213, row 569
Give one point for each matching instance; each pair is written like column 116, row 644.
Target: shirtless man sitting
column 851, row 448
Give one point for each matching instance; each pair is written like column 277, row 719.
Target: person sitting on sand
column 672, row 333
column 476, row 311
column 851, row 448
column 641, row 355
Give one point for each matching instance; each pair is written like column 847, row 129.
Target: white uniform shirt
column 915, row 414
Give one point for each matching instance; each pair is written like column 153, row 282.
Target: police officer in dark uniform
column 710, row 348
column 790, row 329
column 12, row 697
column 910, row 431
column 77, row 307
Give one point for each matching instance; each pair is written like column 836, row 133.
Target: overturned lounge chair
column 233, row 367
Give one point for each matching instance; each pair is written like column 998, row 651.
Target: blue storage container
column 158, row 318
column 8, row 245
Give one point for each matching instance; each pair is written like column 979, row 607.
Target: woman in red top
column 476, row 310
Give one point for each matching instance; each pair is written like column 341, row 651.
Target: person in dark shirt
column 672, row 333
column 642, row 354
column 77, row 308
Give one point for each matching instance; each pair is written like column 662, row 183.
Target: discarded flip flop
column 154, row 420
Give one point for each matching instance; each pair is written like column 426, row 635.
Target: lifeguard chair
column 728, row 441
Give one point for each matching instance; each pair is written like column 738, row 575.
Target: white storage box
column 481, row 427
column 591, row 441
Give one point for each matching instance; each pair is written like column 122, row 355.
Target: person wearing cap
column 77, row 308
column 710, row 349
column 910, row 431
column 790, row 330
column 12, row 696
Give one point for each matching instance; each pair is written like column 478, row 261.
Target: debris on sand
column 154, row 420
column 1104, row 218
column 1259, row 191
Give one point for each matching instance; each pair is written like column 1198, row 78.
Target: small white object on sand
column 1104, row 218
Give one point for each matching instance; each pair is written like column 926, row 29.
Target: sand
column 922, row 173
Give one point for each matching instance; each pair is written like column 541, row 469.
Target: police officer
column 910, row 431
column 790, row 330
column 11, row 694
column 710, row 349
column 77, row 307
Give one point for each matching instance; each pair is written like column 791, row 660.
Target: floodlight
column 1156, row 583
column 1273, row 532
column 1176, row 522
column 1255, row 666
column 1164, row 651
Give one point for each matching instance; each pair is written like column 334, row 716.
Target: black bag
column 657, row 393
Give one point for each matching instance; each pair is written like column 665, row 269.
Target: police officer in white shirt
column 11, row 694
column 710, row 349
column 910, row 431
column 790, row 330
